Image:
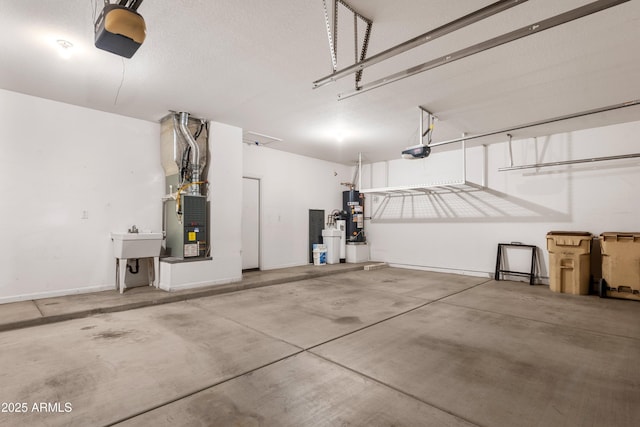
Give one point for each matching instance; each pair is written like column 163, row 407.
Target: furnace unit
column 184, row 159
column 187, row 238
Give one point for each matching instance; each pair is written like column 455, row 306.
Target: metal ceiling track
column 542, row 122
column 450, row 27
column 131, row 4
column 430, row 124
column 535, row 28
column 360, row 55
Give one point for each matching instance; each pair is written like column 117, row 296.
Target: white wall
column 59, row 163
column 460, row 232
column 291, row 185
column 225, row 198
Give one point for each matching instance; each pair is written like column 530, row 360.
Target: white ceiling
column 251, row 64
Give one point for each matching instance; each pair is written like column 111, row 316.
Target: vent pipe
column 195, row 152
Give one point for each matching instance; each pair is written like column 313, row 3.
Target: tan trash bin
column 569, row 261
column 620, row 265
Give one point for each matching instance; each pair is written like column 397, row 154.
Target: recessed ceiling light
column 341, row 134
column 65, row 48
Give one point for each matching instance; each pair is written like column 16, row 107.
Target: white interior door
column 250, row 223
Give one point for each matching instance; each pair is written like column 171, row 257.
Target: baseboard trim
column 57, row 293
column 540, row 280
column 443, row 270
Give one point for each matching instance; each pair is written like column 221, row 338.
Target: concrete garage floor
column 47, row 310
column 381, row 347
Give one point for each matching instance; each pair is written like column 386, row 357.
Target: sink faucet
column 133, row 229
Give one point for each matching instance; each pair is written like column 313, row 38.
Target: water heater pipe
column 195, row 152
column 359, row 171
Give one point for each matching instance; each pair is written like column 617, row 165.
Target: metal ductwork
column 184, row 151
column 195, row 153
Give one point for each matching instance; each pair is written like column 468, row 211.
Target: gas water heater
column 184, row 149
column 353, row 205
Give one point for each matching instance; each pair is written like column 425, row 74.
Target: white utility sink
column 136, row 245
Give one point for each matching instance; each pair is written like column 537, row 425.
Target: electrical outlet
column 85, row 215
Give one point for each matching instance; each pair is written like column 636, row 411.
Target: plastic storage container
column 569, row 261
column 620, row 265
column 319, row 254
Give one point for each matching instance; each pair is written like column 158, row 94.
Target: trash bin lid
column 569, row 233
column 617, row 234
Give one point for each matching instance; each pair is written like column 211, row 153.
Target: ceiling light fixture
column 65, row 48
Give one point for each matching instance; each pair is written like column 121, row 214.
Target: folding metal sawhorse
column 531, row 275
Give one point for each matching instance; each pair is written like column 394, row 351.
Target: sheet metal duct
column 178, row 153
column 194, row 152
